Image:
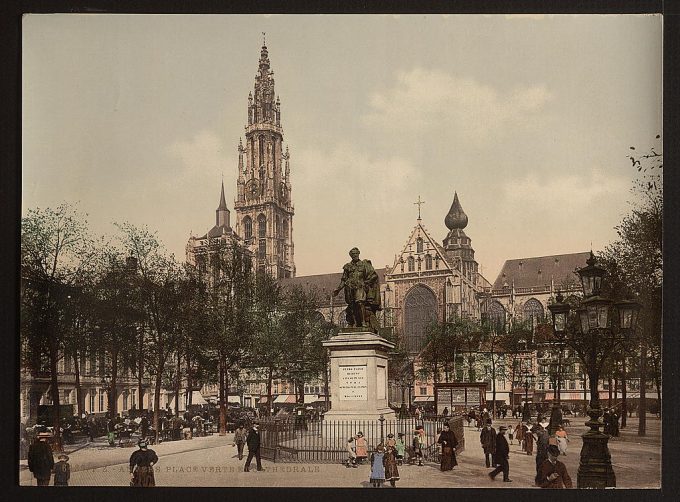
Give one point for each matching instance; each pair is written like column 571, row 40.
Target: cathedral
column 430, row 279
column 263, row 206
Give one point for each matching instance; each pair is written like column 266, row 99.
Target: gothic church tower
column 264, row 210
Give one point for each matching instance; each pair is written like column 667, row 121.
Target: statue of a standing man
column 360, row 282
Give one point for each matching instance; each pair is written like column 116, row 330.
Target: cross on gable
column 419, row 203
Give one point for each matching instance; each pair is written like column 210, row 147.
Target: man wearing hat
column 141, row 465
column 488, row 439
column 501, row 456
column 62, row 471
column 553, row 473
column 253, row 442
column 40, row 459
column 542, row 442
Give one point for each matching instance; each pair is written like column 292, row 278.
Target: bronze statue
column 362, row 292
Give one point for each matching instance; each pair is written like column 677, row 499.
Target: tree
column 55, row 253
column 159, row 298
column 269, row 345
column 635, row 261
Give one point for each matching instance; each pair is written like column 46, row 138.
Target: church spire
column 222, row 213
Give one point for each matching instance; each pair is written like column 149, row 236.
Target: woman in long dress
column 377, row 477
column 141, row 465
column 519, row 433
column 528, row 440
column 449, row 443
column 562, row 439
column 390, row 463
column 361, row 448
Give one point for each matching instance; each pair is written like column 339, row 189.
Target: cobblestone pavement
column 212, row 461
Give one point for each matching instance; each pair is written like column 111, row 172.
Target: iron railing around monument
column 325, row 441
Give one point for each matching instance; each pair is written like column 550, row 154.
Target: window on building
column 572, row 385
column 419, row 245
column 411, row 264
column 101, row 400
column 428, row 262
column 67, row 364
column 277, row 221
column 247, row 228
column 133, row 398
column 125, row 400
column 91, row 410
column 580, row 384
column 261, row 226
column 423, row 391
column 261, row 155
column 541, row 385
column 420, row 308
column 262, row 249
column 497, row 315
column 533, row 312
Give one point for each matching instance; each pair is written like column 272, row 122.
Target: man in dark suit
column 501, row 456
column 488, row 439
column 253, row 442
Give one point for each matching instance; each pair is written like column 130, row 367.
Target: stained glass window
column 533, row 311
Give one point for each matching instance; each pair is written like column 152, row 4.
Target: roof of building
column 541, row 270
column 323, row 284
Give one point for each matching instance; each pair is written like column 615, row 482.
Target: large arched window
column 261, row 226
column 411, row 264
column 497, row 314
column 420, row 308
column 247, row 228
column 533, row 312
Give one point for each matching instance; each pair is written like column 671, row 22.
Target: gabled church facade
column 431, row 281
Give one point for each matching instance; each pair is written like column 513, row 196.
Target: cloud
column 202, row 155
column 422, row 100
column 564, row 191
column 374, row 182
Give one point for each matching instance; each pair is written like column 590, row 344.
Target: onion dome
column 456, row 218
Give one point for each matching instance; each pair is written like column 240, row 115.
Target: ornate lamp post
column 106, row 381
column 528, row 379
column 593, row 338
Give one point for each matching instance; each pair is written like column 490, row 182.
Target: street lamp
column 593, row 337
column 528, row 381
column 106, row 381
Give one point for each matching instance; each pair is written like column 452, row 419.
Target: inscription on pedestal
column 352, row 383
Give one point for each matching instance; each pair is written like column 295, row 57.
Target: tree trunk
column 140, row 370
column 113, row 390
column 493, row 385
column 178, row 378
column 270, row 405
column 609, row 387
column 223, row 407
column 157, row 402
column 80, row 398
column 190, row 383
column 54, row 392
column 642, row 408
column 624, row 388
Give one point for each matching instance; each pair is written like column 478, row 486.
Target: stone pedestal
column 358, row 383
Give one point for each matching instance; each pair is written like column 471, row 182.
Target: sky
column 528, row 118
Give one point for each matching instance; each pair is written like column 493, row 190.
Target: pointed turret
column 241, row 169
column 222, row 213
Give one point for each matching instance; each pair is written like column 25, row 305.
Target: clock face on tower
column 252, row 189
